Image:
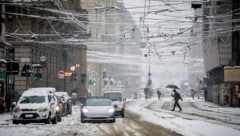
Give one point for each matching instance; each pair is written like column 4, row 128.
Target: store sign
column 232, row 74
column 68, row 74
column 25, row 60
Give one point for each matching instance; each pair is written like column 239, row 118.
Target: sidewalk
column 5, row 118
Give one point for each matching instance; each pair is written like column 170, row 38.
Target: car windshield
column 98, row 102
column 32, row 99
column 113, row 96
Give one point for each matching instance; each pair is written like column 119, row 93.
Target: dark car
column 61, row 111
column 67, row 101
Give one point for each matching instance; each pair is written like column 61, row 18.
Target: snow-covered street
column 198, row 118
column 143, row 117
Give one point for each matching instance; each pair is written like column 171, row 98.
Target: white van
column 36, row 105
column 118, row 101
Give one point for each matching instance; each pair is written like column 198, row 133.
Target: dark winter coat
column 177, row 96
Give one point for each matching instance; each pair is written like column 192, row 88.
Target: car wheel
column 82, row 120
column 15, row 122
column 123, row 114
column 48, row 120
column 59, row 118
column 54, row 120
column 114, row 120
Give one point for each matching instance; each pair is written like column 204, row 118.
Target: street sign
column 43, row 58
column 61, row 74
column 25, row 60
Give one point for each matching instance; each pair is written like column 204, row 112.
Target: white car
column 36, row 105
column 97, row 109
column 118, row 101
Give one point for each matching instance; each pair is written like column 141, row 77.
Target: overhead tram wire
column 28, row 5
column 213, row 35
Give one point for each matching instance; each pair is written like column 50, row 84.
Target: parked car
column 36, row 105
column 67, row 101
column 118, row 101
column 61, row 111
column 97, row 109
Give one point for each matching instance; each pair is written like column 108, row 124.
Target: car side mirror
column 14, row 104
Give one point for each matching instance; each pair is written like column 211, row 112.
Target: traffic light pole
column 26, row 71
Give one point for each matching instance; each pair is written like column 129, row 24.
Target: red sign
column 61, row 74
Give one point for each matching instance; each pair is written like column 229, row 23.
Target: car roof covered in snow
column 39, row 91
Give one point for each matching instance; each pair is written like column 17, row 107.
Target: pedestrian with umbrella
column 176, row 97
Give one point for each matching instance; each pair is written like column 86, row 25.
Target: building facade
column 45, row 39
column 220, row 45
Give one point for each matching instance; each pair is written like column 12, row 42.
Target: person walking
column 205, row 94
column 192, row 93
column 176, row 97
column 146, row 92
column 159, row 94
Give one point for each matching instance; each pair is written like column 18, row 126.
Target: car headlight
column 17, row 109
column 84, row 110
column 57, row 108
column 43, row 109
column 120, row 106
column 111, row 110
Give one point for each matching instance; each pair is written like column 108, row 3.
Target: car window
column 98, row 102
column 32, row 99
column 113, row 96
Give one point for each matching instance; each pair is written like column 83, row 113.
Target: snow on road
column 190, row 122
column 198, row 118
column 70, row 125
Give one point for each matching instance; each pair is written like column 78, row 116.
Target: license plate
column 28, row 115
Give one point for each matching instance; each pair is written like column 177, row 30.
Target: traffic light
column 111, row 82
column 90, row 81
column 104, row 74
column 26, row 70
column 94, row 82
column 105, row 81
column 38, row 72
column 73, row 76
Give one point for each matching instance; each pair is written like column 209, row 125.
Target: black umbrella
column 172, row 86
